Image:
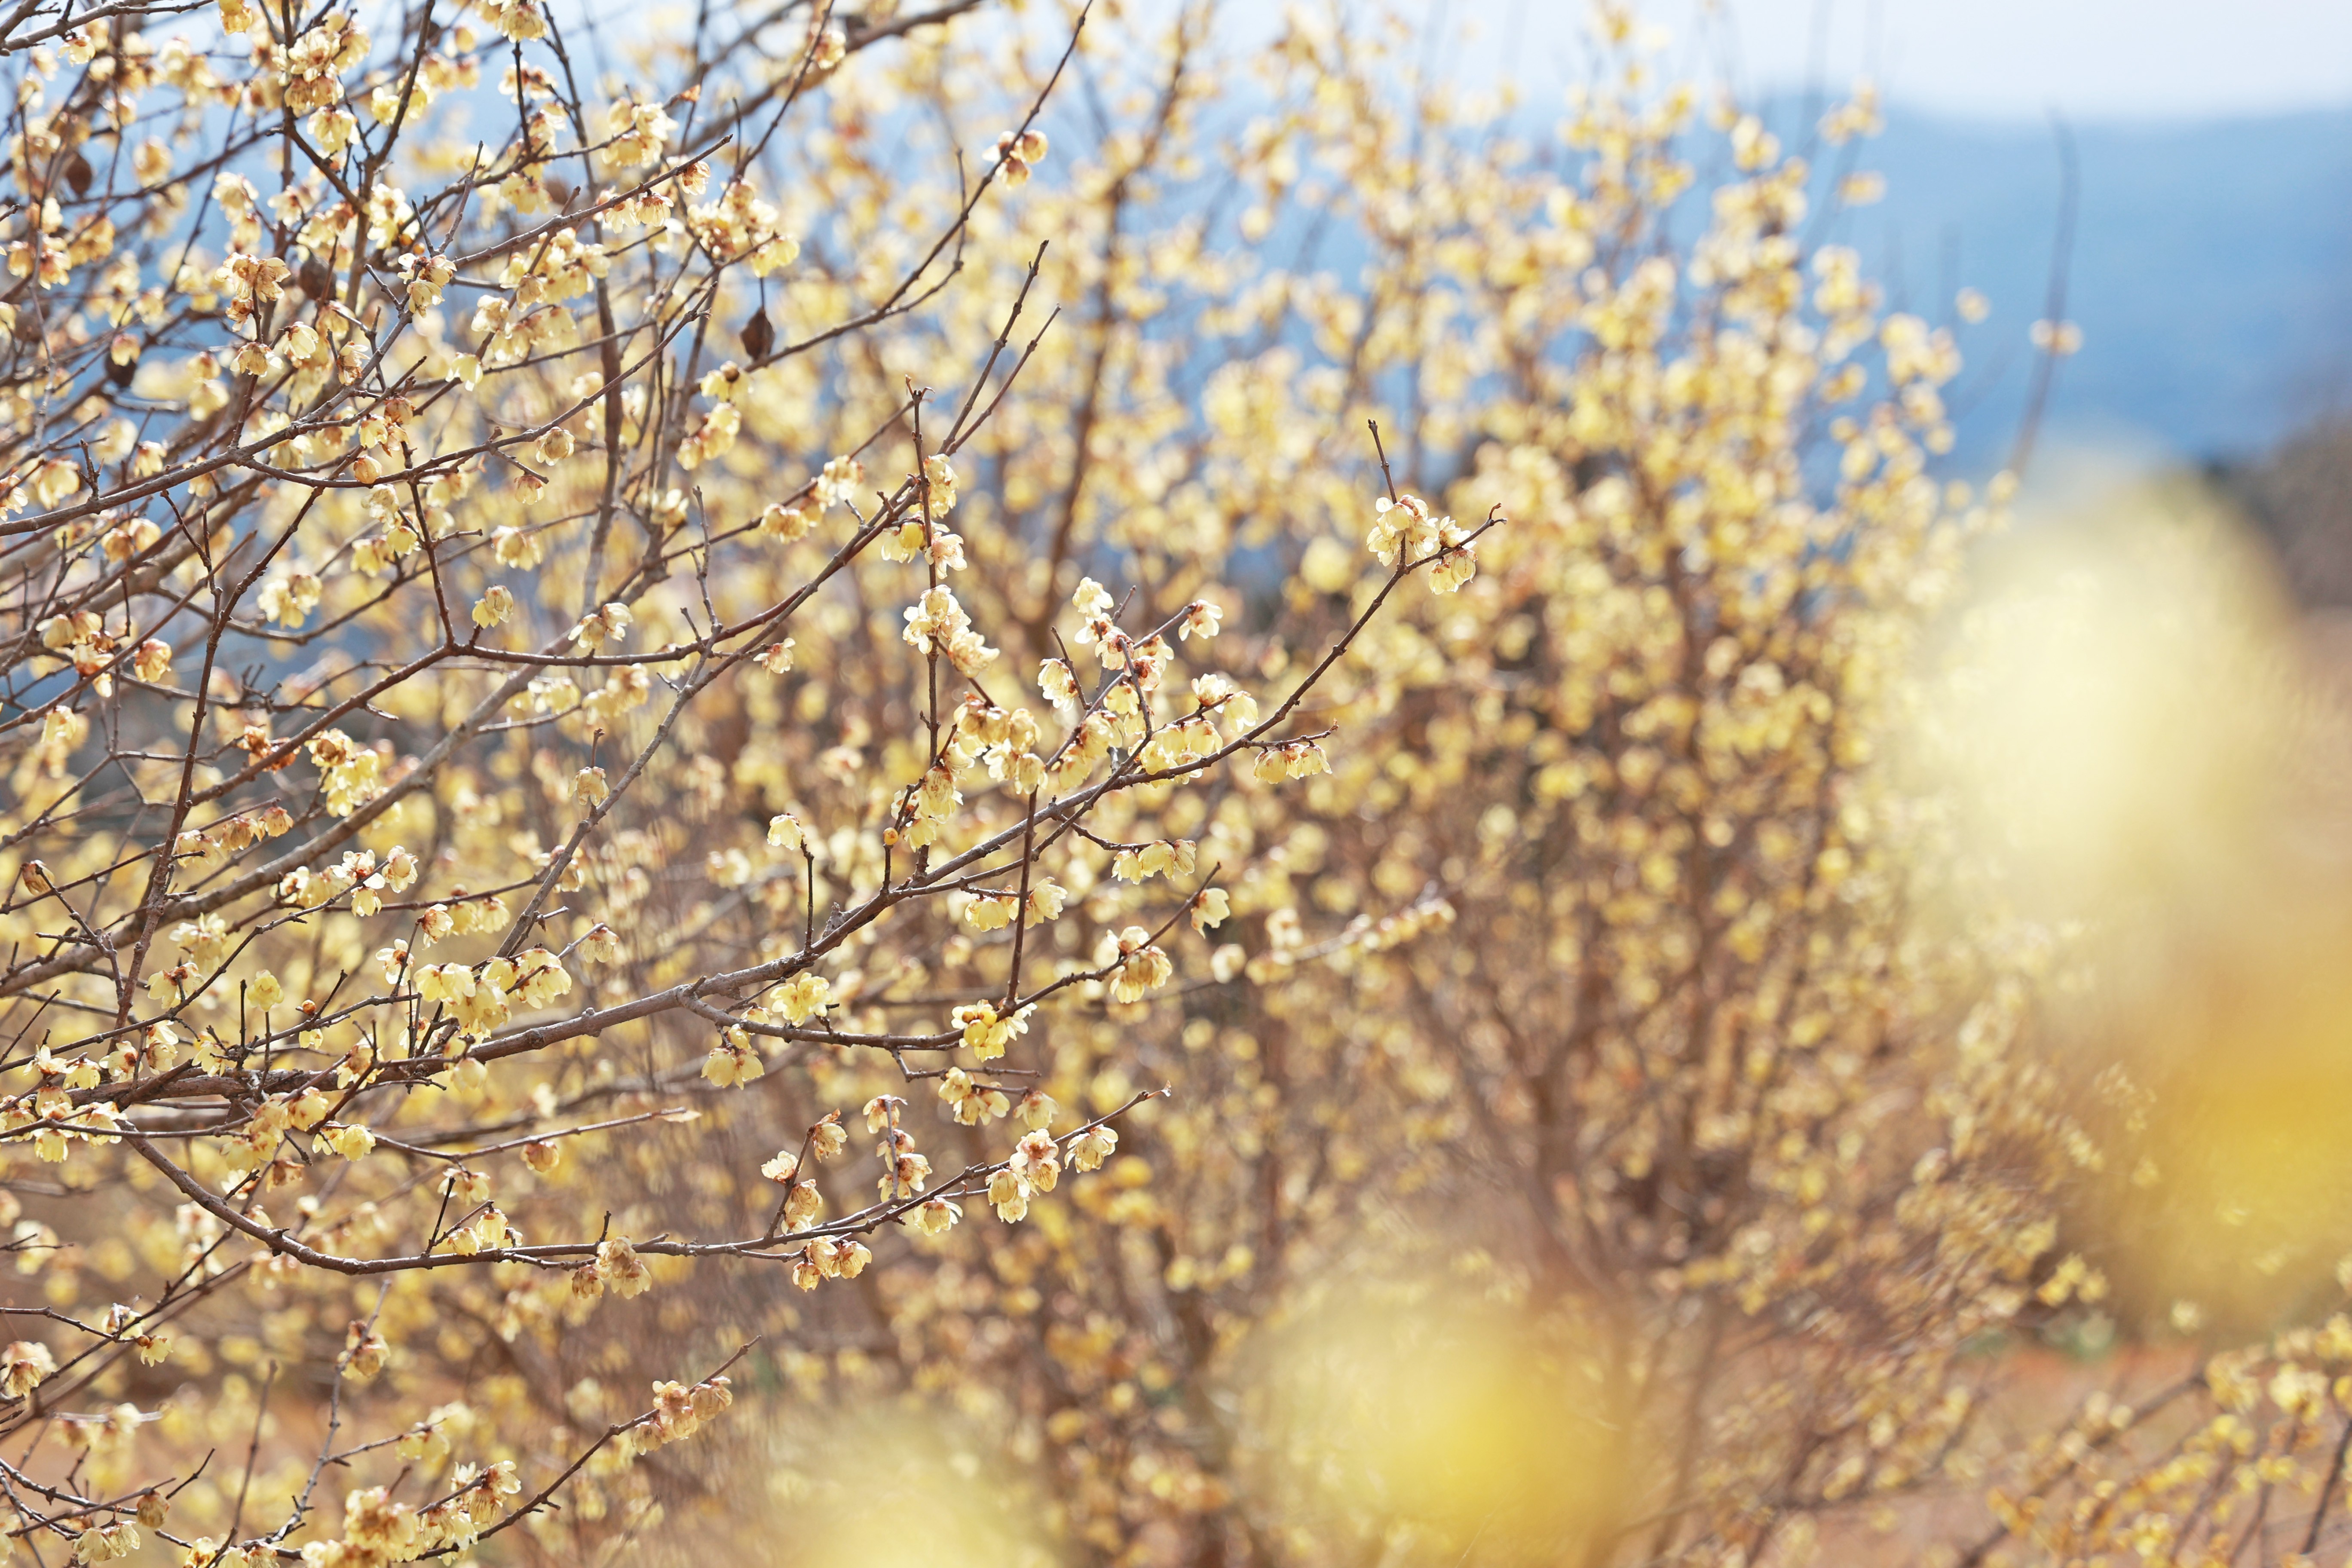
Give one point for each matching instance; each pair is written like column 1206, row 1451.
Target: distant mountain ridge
column 2212, row 271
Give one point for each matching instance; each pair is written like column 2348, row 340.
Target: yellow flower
column 494, row 606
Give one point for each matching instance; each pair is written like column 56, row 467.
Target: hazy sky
column 2089, row 58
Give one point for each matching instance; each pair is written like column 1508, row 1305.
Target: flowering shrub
column 613, row 636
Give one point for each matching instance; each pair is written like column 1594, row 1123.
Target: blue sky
column 2139, row 60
